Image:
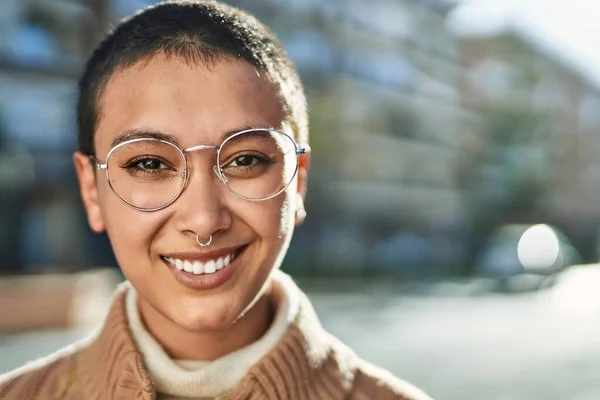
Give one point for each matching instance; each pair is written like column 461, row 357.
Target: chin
column 205, row 323
column 206, row 317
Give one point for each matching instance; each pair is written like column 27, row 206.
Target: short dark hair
column 198, row 32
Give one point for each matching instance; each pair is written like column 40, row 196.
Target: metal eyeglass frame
column 217, row 170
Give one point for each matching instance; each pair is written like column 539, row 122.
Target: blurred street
column 497, row 347
column 449, row 340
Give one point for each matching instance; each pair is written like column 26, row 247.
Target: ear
column 86, row 175
column 303, row 167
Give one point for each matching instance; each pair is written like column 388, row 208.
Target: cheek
column 130, row 231
column 272, row 219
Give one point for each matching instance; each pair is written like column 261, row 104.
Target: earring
column 300, row 215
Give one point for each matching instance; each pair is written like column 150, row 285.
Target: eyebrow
column 132, row 134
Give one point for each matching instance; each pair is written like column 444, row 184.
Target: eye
column 150, row 164
column 245, row 160
column 147, row 163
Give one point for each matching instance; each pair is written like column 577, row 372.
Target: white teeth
column 210, row 267
column 187, row 266
column 198, row 267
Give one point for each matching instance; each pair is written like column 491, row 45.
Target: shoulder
column 373, row 382
column 370, row 381
column 46, row 378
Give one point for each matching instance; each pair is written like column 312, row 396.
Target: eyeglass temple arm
column 98, row 165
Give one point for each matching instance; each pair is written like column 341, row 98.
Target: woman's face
column 195, row 105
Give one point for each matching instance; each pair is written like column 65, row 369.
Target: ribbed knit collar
column 210, row 379
column 299, row 367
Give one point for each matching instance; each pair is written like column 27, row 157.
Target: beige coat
column 307, row 364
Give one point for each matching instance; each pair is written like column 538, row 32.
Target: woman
column 194, row 159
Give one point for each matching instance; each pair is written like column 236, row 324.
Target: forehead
column 194, row 103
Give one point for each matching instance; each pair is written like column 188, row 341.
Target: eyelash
column 261, row 158
column 132, row 165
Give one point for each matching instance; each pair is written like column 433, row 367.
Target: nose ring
column 204, row 244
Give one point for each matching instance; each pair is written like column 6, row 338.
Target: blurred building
column 42, row 46
column 533, row 77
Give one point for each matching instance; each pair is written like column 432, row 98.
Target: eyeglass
column 149, row 174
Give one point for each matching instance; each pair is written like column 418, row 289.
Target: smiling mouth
column 207, row 266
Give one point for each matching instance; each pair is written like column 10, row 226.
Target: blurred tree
column 508, row 178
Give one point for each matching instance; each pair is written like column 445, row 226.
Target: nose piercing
column 204, row 244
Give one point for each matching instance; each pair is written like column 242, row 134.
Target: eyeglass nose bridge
column 201, row 147
column 216, row 169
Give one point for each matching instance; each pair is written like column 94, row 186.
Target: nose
column 200, row 209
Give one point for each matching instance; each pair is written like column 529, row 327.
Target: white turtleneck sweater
column 189, row 379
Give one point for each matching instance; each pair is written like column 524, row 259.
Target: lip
column 206, row 281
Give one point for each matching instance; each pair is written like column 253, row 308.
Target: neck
column 182, row 344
